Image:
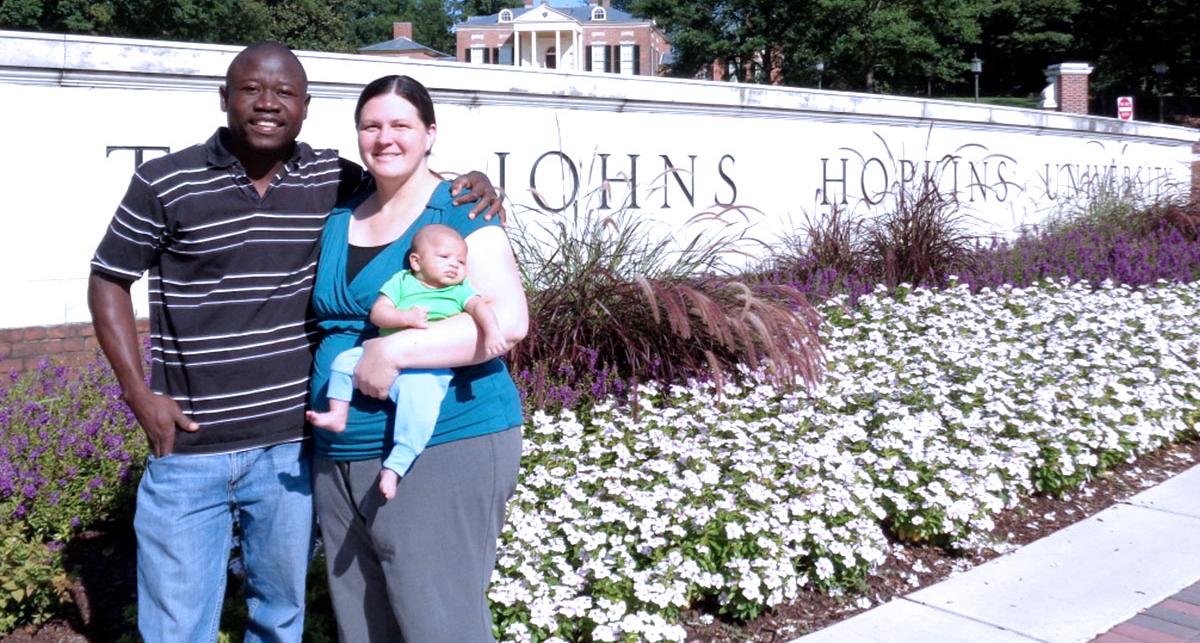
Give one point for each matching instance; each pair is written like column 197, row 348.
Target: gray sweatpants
column 417, row 568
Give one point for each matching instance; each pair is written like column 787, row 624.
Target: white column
column 558, row 52
column 516, row 48
column 575, row 52
column 533, row 61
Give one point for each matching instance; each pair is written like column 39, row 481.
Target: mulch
column 104, row 564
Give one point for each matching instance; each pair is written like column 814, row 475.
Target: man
column 229, row 232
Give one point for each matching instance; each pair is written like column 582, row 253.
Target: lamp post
column 976, row 68
column 1160, row 70
column 820, row 67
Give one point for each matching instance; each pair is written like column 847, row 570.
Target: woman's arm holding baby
column 456, row 341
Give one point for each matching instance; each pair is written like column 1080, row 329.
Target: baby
column 435, row 288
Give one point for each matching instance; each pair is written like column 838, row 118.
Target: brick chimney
column 402, row 30
column 1070, row 86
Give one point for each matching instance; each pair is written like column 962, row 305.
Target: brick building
column 565, row 34
column 402, row 45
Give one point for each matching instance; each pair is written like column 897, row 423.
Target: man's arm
column 112, row 316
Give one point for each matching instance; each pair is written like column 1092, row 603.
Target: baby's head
column 439, row 256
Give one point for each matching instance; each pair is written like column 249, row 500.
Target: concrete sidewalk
column 1069, row 587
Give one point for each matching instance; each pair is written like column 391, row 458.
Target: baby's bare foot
column 332, row 420
column 387, row 483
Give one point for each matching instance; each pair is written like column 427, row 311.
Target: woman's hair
column 402, row 86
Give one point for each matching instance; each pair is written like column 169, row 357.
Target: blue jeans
column 418, row 395
column 184, row 524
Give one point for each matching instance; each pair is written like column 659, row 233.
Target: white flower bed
column 938, row 410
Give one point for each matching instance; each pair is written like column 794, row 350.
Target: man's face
column 266, row 100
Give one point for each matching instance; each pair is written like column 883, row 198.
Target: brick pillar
column 718, row 69
column 402, row 30
column 1070, row 86
column 775, row 65
column 1196, row 173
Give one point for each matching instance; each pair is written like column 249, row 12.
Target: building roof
column 401, row 46
column 581, row 11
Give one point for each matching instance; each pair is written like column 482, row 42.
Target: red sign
column 1125, row 108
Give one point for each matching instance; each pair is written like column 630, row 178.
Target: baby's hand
column 415, row 317
column 387, row 483
column 495, row 344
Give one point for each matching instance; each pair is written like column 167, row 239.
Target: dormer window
column 598, row 13
column 506, row 15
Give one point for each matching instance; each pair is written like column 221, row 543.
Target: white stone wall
column 782, row 154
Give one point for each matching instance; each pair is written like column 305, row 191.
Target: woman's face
column 392, row 140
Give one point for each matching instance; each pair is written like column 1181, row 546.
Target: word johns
column 554, row 170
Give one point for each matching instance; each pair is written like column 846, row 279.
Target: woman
column 417, row 566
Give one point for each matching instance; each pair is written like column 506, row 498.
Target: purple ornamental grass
column 1130, row 257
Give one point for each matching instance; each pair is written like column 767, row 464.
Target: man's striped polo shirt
column 230, row 277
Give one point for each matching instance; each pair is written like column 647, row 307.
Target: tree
column 906, row 42
column 370, row 21
column 20, row 14
column 1021, row 38
column 899, row 45
column 463, row 9
column 310, row 24
column 1124, row 52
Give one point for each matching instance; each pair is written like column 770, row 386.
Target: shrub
column 69, row 450
column 69, row 454
column 607, row 292
column 34, row 585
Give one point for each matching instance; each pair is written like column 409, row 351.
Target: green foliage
column 310, row 24
column 462, row 9
column 1021, row 37
column 319, row 624
column 322, row 25
column 919, row 46
column 862, row 43
column 20, row 14
column 880, row 46
column 370, row 21
column 34, row 584
column 69, row 455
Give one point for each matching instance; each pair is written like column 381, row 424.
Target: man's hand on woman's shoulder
column 475, row 187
